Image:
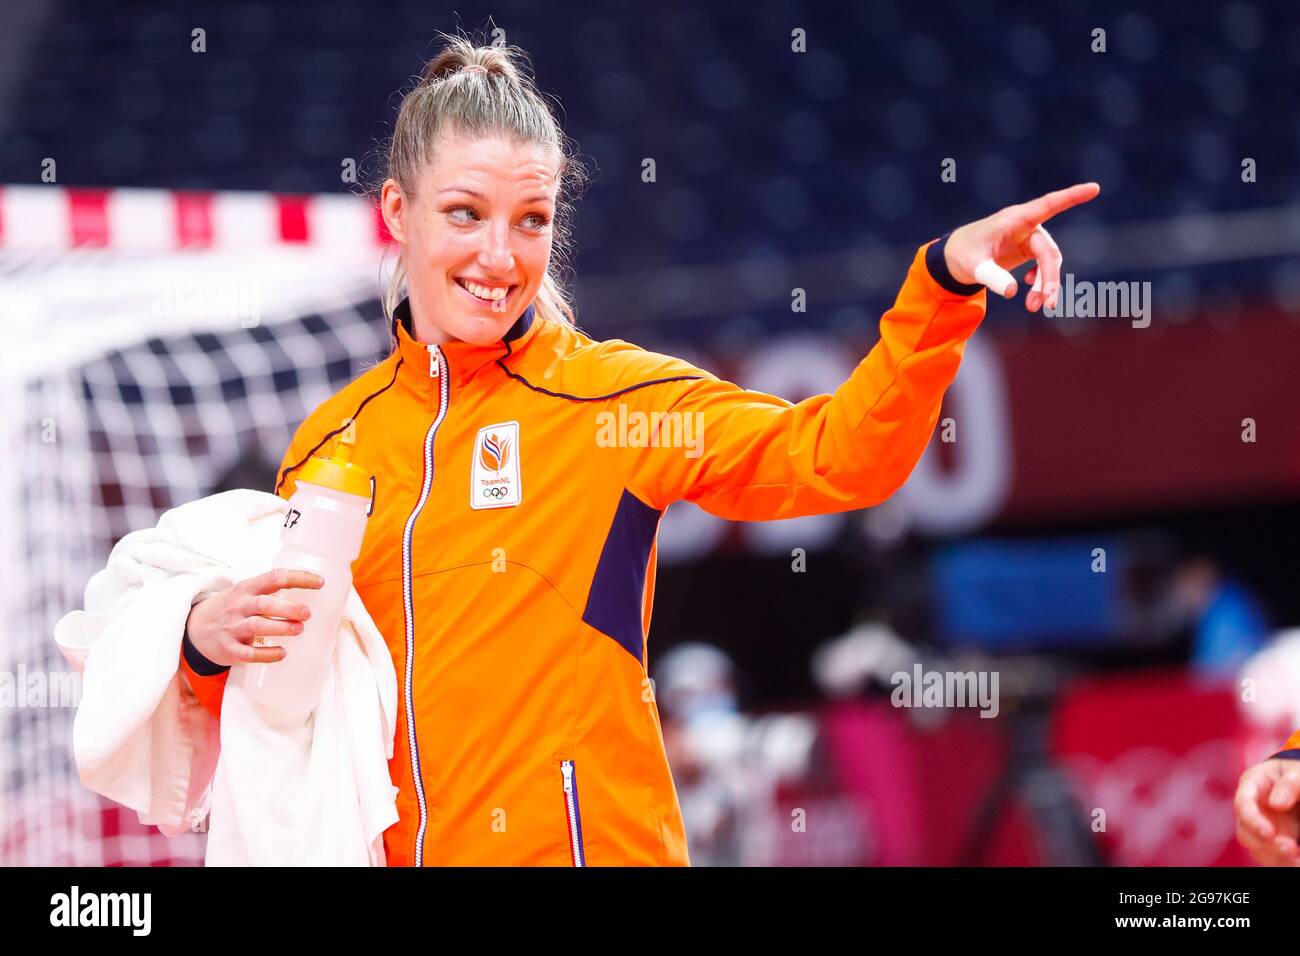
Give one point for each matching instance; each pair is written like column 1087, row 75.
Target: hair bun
column 463, row 57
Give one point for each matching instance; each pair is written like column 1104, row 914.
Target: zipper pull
column 433, row 361
column 566, row 768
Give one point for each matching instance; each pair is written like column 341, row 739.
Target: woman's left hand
column 1011, row 237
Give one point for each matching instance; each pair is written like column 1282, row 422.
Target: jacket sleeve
column 1291, row 749
column 206, row 679
column 759, row 457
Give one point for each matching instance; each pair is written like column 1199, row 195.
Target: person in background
column 704, row 734
column 1229, row 623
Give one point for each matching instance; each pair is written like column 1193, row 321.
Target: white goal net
column 157, row 347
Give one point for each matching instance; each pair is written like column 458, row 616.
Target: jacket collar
column 463, row 358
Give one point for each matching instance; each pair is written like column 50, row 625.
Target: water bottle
column 322, row 533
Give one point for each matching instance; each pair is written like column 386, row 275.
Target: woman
column 522, row 469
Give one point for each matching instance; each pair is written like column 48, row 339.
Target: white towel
column 316, row 794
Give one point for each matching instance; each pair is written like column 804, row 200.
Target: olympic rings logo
column 495, row 492
column 1164, row 809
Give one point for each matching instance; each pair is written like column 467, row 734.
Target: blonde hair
column 478, row 91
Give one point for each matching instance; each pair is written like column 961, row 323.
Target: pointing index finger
column 1045, row 207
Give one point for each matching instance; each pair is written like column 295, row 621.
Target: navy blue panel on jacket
column 614, row 605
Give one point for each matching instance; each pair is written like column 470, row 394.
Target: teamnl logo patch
column 494, row 479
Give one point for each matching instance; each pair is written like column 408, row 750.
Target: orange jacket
column 510, row 556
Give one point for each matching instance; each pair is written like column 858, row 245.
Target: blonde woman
column 510, row 557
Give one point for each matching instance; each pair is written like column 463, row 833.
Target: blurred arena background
column 187, row 268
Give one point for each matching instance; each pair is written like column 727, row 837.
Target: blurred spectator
column 704, row 737
column 1229, row 623
column 727, row 766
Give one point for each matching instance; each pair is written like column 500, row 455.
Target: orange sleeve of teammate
column 759, row 457
column 206, row 679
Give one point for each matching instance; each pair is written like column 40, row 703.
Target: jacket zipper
column 437, row 370
column 570, row 774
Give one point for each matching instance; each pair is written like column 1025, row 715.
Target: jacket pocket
column 572, row 813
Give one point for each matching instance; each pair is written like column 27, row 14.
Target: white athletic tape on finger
column 989, row 273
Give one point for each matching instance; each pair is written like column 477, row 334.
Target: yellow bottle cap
column 338, row 472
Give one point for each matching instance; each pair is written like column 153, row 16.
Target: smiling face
column 476, row 237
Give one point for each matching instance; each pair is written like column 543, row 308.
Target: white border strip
column 146, row 220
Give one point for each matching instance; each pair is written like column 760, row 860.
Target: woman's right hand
column 223, row 627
